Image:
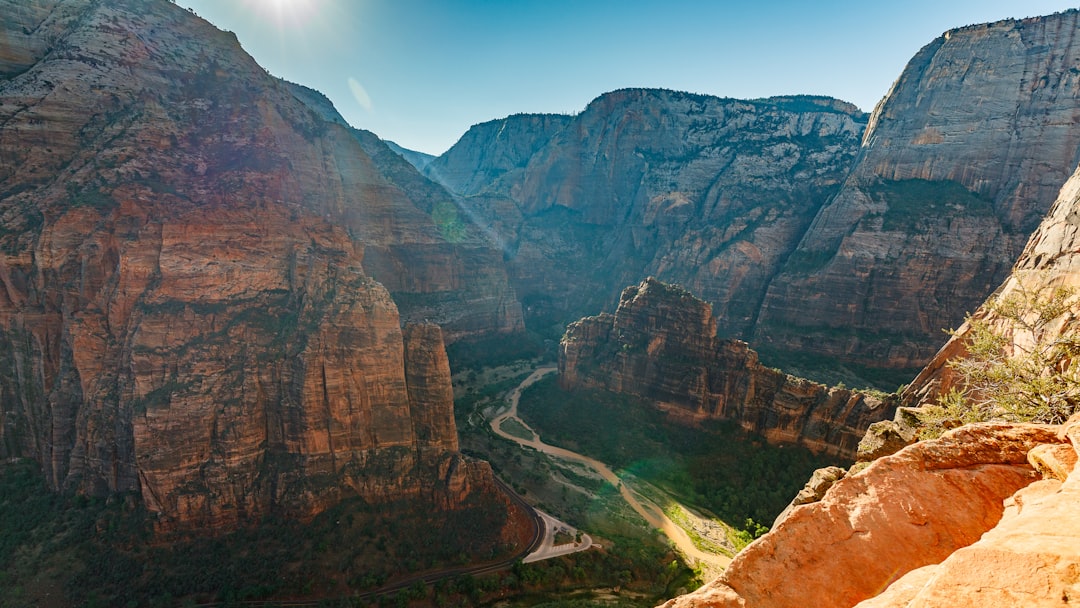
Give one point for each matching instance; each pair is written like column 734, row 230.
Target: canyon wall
column 188, row 310
column 1049, row 260
column 660, row 345
column 711, row 193
column 812, row 230
column 960, row 162
column 985, row 516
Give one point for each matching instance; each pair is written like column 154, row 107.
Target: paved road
column 646, row 509
column 549, row 549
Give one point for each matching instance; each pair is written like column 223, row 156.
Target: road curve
column 650, row 512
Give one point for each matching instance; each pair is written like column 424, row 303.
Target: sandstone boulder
column 870, row 529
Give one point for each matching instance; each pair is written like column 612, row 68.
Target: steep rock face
column 1051, row 258
column 457, row 279
column 959, row 164
column 492, row 156
column 185, row 311
column 660, row 344
column 871, row 528
column 710, row 193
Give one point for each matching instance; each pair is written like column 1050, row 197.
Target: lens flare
column 286, row 13
column 360, row 94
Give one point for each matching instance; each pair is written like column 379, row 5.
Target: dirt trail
column 649, row 511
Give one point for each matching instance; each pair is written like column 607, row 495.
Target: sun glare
column 286, row 13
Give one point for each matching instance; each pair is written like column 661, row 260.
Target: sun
column 286, row 13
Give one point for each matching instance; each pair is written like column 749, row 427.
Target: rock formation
column 803, row 240
column 707, row 192
column 445, row 271
column 1018, row 543
column 187, row 309
column 960, row 162
column 903, row 512
column 661, row 345
column 1050, row 259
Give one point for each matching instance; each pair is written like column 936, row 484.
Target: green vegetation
column 832, row 372
column 1021, row 368
column 515, row 428
column 634, row 557
column 915, row 204
column 715, row 466
column 102, row 553
column 498, row 350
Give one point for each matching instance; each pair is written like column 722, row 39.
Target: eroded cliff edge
column 661, row 345
column 187, row 311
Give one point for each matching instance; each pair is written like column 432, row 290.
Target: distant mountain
column 189, row 254
column 824, row 237
column 420, row 160
column 710, row 193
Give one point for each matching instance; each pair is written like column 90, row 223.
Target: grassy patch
column 914, row 204
column 716, row 467
column 515, row 428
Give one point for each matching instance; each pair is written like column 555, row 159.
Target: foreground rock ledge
column 903, row 512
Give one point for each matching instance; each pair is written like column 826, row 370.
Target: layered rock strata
column 661, row 345
column 707, row 192
column 959, row 164
column 186, row 306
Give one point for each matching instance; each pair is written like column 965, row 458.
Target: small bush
column 1021, row 368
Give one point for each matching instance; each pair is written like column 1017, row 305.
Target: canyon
column 220, row 301
column 812, row 229
column 199, row 280
column 661, row 345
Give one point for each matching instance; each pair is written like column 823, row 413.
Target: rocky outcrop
column 187, row 308
column 707, row 192
column 960, row 162
column 872, row 528
column 1030, row 558
column 661, row 345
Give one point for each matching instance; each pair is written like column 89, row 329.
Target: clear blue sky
column 421, row 72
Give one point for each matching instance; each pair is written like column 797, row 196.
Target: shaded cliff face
column 186, row 310
column 492, row 156
column 660, row 345
column 960, row 162
column 456, row 279
column 1049, row 260
column 711, row 193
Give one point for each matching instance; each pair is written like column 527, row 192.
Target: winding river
column 647, row 510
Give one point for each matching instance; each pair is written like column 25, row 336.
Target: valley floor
column 710, row 563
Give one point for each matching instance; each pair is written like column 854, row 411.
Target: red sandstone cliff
column 187, row 308
column 661, row 345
